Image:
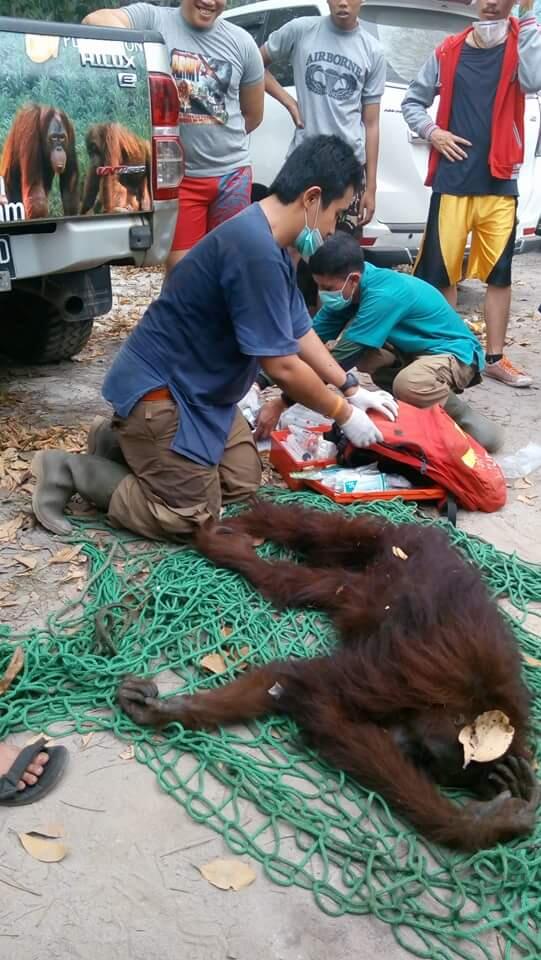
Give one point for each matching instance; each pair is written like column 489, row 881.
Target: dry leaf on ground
column 214, row 663
column 128, row 753
column 226, row 630
column 531, row 661
column 239, row 657
column 14, row 667
column 49, row 742
column 522, row 483
column 228, row 874
column 66, row 555
column 42, row 847
column 9, row 529
column 85, row 740
column 487, row 738
column 28, row 562
column 398, row 552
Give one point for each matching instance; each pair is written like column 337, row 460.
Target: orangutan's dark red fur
column 423, row 651
column 112, row 145
column 39, row 146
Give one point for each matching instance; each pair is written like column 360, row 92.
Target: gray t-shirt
column 209, row 67
column 336, row 73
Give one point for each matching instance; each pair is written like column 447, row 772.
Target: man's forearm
column 372, row 151
column 320, row 359
column 303, row 385
column 276, row 90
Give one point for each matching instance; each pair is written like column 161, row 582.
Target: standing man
column 481, row 76
column 339, row 73
column 230, row 306
column 219, row 75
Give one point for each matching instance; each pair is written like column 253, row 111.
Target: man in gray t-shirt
column 339, row 73
column 219, row 75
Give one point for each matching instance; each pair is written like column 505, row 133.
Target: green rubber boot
column 103, row 441
column 60, row 475
column 490, row 435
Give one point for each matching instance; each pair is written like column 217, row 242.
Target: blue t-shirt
column 231, row 300
column 406, row 312
column 474, row 91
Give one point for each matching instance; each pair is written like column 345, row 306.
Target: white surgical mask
column 490, row 33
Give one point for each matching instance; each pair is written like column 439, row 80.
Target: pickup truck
column 90, row 165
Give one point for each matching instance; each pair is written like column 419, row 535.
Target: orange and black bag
column 428, row 443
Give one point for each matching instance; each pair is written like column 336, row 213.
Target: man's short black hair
column 339, row 256
column 326, row 162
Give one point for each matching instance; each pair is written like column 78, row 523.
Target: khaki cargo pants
column 168, row 496
column 422, row 381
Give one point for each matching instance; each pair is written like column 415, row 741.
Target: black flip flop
column 52, row 771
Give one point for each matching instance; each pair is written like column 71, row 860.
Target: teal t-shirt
column 404, row 311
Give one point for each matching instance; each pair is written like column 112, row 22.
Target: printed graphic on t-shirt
column 332, row 75
column 202, row 85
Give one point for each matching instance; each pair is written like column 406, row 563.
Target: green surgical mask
column 335, row 299
column 309, row 239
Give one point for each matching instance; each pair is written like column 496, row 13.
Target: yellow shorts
column 491, row 223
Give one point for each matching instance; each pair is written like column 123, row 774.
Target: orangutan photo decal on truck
column 70, row 148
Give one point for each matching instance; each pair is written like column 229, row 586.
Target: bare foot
column 8, row 755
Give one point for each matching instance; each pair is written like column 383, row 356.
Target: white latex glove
column 251, row 404
column 379, row 400
column 360, row 430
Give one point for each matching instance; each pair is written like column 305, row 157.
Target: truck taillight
column 163, row 100
column 167, row 167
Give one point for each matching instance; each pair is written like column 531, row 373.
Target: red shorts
column 205, row 202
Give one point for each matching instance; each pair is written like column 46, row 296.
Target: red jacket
column 507, row 139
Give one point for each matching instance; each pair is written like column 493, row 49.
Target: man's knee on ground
column 425, row 392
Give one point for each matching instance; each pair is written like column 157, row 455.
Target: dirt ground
column 129, row 888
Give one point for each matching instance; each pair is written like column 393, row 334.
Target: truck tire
column 34, row 331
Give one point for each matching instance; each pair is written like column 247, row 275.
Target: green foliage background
column 88, row 95
column 63, row 11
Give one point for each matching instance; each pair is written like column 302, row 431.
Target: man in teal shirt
column 396, row 327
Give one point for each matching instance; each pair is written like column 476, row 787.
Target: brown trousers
column 167, row 496
column 422, row 381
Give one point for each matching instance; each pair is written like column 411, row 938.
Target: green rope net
column 149, row 609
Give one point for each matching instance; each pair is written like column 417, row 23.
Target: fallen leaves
column 13, row 470
column 9, row 529
column 28, row 562
column 228, row 874
column 528, row 500
column 45, row 844
column 531, row 661
column 49, row 742
column 214, row 663
column 67, row 554
column 398, row 552
column 21, row 435
column 128, row 753
column 487, row 738
column 522, row 483
column 13, row 668
column 220, row 662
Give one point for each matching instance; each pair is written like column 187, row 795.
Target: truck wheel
column 34, row 331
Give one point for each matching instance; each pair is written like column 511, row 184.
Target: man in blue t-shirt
column 230, row 306
column 373, row 318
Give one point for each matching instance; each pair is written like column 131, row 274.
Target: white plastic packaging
column 521, row 463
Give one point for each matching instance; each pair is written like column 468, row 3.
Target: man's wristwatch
column 350, row 382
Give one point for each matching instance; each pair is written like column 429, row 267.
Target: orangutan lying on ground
column 424, row 651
